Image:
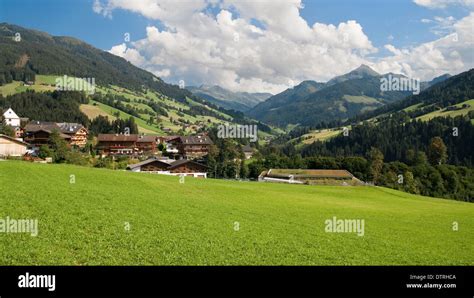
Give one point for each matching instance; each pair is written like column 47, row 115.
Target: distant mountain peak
column 366, row 70
column 240, row 101
column 363, row 71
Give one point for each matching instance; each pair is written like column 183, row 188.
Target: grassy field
column 90, row 110
column 93, row 111
column 122, row 218
column 320, row 135
column 443, row 113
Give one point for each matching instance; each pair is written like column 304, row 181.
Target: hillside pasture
column 121, row 218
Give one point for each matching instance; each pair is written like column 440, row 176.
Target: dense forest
column 433, row 158
column 395, row 140
column 28, row 52
column 102, row 124
column 47, row 106
column 62, row 106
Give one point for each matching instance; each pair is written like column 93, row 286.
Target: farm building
column 170, row 167
column 126, row 144
column 117, row 144
column 14, row 121
column 302, row 176
column 133, row 144
column 194, row 146
column 37, row 133
column 12, row 147
column 11, row 118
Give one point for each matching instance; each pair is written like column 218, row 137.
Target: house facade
column 11, row 118
column 194, row 146
column 12, row 147
column 37, row 133
column 181, row 167
column 117, row 144
column 77, row 132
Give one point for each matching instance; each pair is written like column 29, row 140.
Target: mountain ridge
column 240, row 101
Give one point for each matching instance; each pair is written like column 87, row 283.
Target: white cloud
column 441, row 25
column 229, row 50
column 436, row 4
column 129, row 54
column 449, row 54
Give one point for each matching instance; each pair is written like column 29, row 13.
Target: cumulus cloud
column 449, row 54
column 436, row 4
column 266, row 46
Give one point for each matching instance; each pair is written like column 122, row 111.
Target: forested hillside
column 239, row 101
column 36, row 52
column 450, row 91
column 341, row 98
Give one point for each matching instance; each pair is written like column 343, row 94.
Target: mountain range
column 33, row 60
column 311, row 103
column 307, row 104
column 239, row 101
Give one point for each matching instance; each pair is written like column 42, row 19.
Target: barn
column 12, row 147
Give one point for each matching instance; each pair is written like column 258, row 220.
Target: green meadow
column 90, row 216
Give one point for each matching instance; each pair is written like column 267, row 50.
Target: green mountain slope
column 239, row 101
column 442, row 96
column 122, row 90
column 342, row 99
column 282, row 99
column 40, row 53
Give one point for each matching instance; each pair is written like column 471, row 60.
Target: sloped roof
column 63, row 127
column 303, row 173
column 148, row 161
column 13, row 140
column 117, row 138
column 180, row 162
column 196, row 140
column 69, row 127
column 11, row 113
column 147, row 139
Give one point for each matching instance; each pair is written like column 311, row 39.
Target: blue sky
column 394, row 22
column 379, row 19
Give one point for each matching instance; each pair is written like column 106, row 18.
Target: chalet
column 37, row 133
column 170, row 143
column 77, row 132
column 146, row 144
column 12, row 147
column 181, row 167
column 301, row 176
column 117, row 144
column 130, row 144
column 194, row 146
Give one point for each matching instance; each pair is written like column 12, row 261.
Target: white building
column 11, row 118
column 11, row 147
